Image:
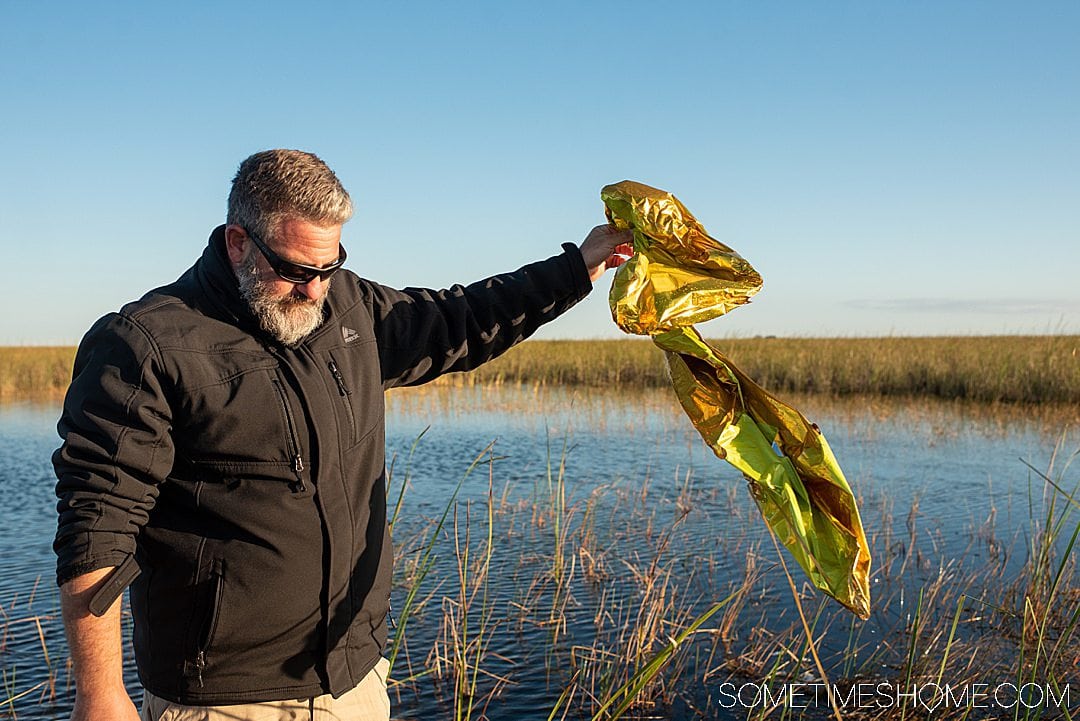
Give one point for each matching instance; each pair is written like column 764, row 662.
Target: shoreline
column 1020, row 370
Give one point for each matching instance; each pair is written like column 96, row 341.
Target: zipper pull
column 200, row 664
column 338, row 378
column 298, row 469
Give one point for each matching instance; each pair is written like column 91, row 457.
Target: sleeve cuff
column 68, row 571
column 582, row 285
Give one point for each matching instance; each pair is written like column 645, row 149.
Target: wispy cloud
column 983, row 306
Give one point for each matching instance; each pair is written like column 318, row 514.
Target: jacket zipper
column 344, row 391
column 338, row 377
column 218, row 576
column 390, row 615
column 294, row 449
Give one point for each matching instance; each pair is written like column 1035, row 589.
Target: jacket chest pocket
column 244, row 421
column 353, row 376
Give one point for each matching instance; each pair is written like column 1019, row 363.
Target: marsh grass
column 590, row 592
column 468, row 620
column 1010, row 369
column 989, row 369
column 654, row 636
column 41, row 371
column 645, row 636
column 20, row 624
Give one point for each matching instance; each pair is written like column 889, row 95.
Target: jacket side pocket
column 210, row 625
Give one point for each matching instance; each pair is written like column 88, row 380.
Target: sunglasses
column 296, row 272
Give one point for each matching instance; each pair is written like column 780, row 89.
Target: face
column 286, row 310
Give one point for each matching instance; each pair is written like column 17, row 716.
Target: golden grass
column 1011, row 369
column 993, row 369
column 34, row 370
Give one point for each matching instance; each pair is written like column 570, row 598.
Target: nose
column 313, row 289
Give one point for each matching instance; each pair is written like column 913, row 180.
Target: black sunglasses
column 296, row 272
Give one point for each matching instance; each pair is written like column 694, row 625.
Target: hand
column 113, row 706
column 606, row 247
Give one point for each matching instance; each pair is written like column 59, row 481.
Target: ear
column 236, row 241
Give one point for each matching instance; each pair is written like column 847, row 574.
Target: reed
column 1009, row 369
column 989, row 369
column 35, row 370
column 649, row 631
column 468, row 621
column 427, row 560
column 658, row 635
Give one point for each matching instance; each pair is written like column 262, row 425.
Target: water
column 937, row 483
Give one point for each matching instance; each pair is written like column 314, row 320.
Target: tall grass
column 34, row 370
column 657, row 637
column 1013, row 369
column 597, row 602
column 1010, row 369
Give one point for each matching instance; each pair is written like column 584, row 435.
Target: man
column 223, row 447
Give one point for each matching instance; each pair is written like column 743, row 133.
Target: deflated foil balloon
column 679, row 276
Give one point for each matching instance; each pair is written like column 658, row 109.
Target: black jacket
column 247, row 479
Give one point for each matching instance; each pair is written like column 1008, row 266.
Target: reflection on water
column 959, row 460
column 937, row 483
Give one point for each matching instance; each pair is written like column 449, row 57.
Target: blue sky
column 900, row 168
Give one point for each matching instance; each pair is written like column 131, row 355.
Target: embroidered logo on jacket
column 348, row 334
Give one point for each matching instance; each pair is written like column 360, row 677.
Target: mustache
column 296, row 301
column 288, row 318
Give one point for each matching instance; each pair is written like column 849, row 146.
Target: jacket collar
column 218, row 281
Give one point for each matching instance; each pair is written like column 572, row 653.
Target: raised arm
column 425, row 333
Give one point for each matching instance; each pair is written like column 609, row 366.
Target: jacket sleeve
column 423, row 333
column 117, row 447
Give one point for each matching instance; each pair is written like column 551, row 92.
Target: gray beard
column 287, row 319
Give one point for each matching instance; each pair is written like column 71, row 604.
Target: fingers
column 608, row 235
column 606, row 247
column 622, row 237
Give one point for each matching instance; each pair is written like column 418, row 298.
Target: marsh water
column 944, row 489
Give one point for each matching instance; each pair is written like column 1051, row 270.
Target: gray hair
column 275, row 184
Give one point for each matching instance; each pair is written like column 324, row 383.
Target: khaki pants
column 367, row 702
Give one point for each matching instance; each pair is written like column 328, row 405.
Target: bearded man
column 223, row 453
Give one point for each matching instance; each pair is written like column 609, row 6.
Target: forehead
column 302, row 241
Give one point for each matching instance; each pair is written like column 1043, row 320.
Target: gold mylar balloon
column 678, row 276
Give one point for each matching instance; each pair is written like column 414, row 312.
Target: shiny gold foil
column 678, row 276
